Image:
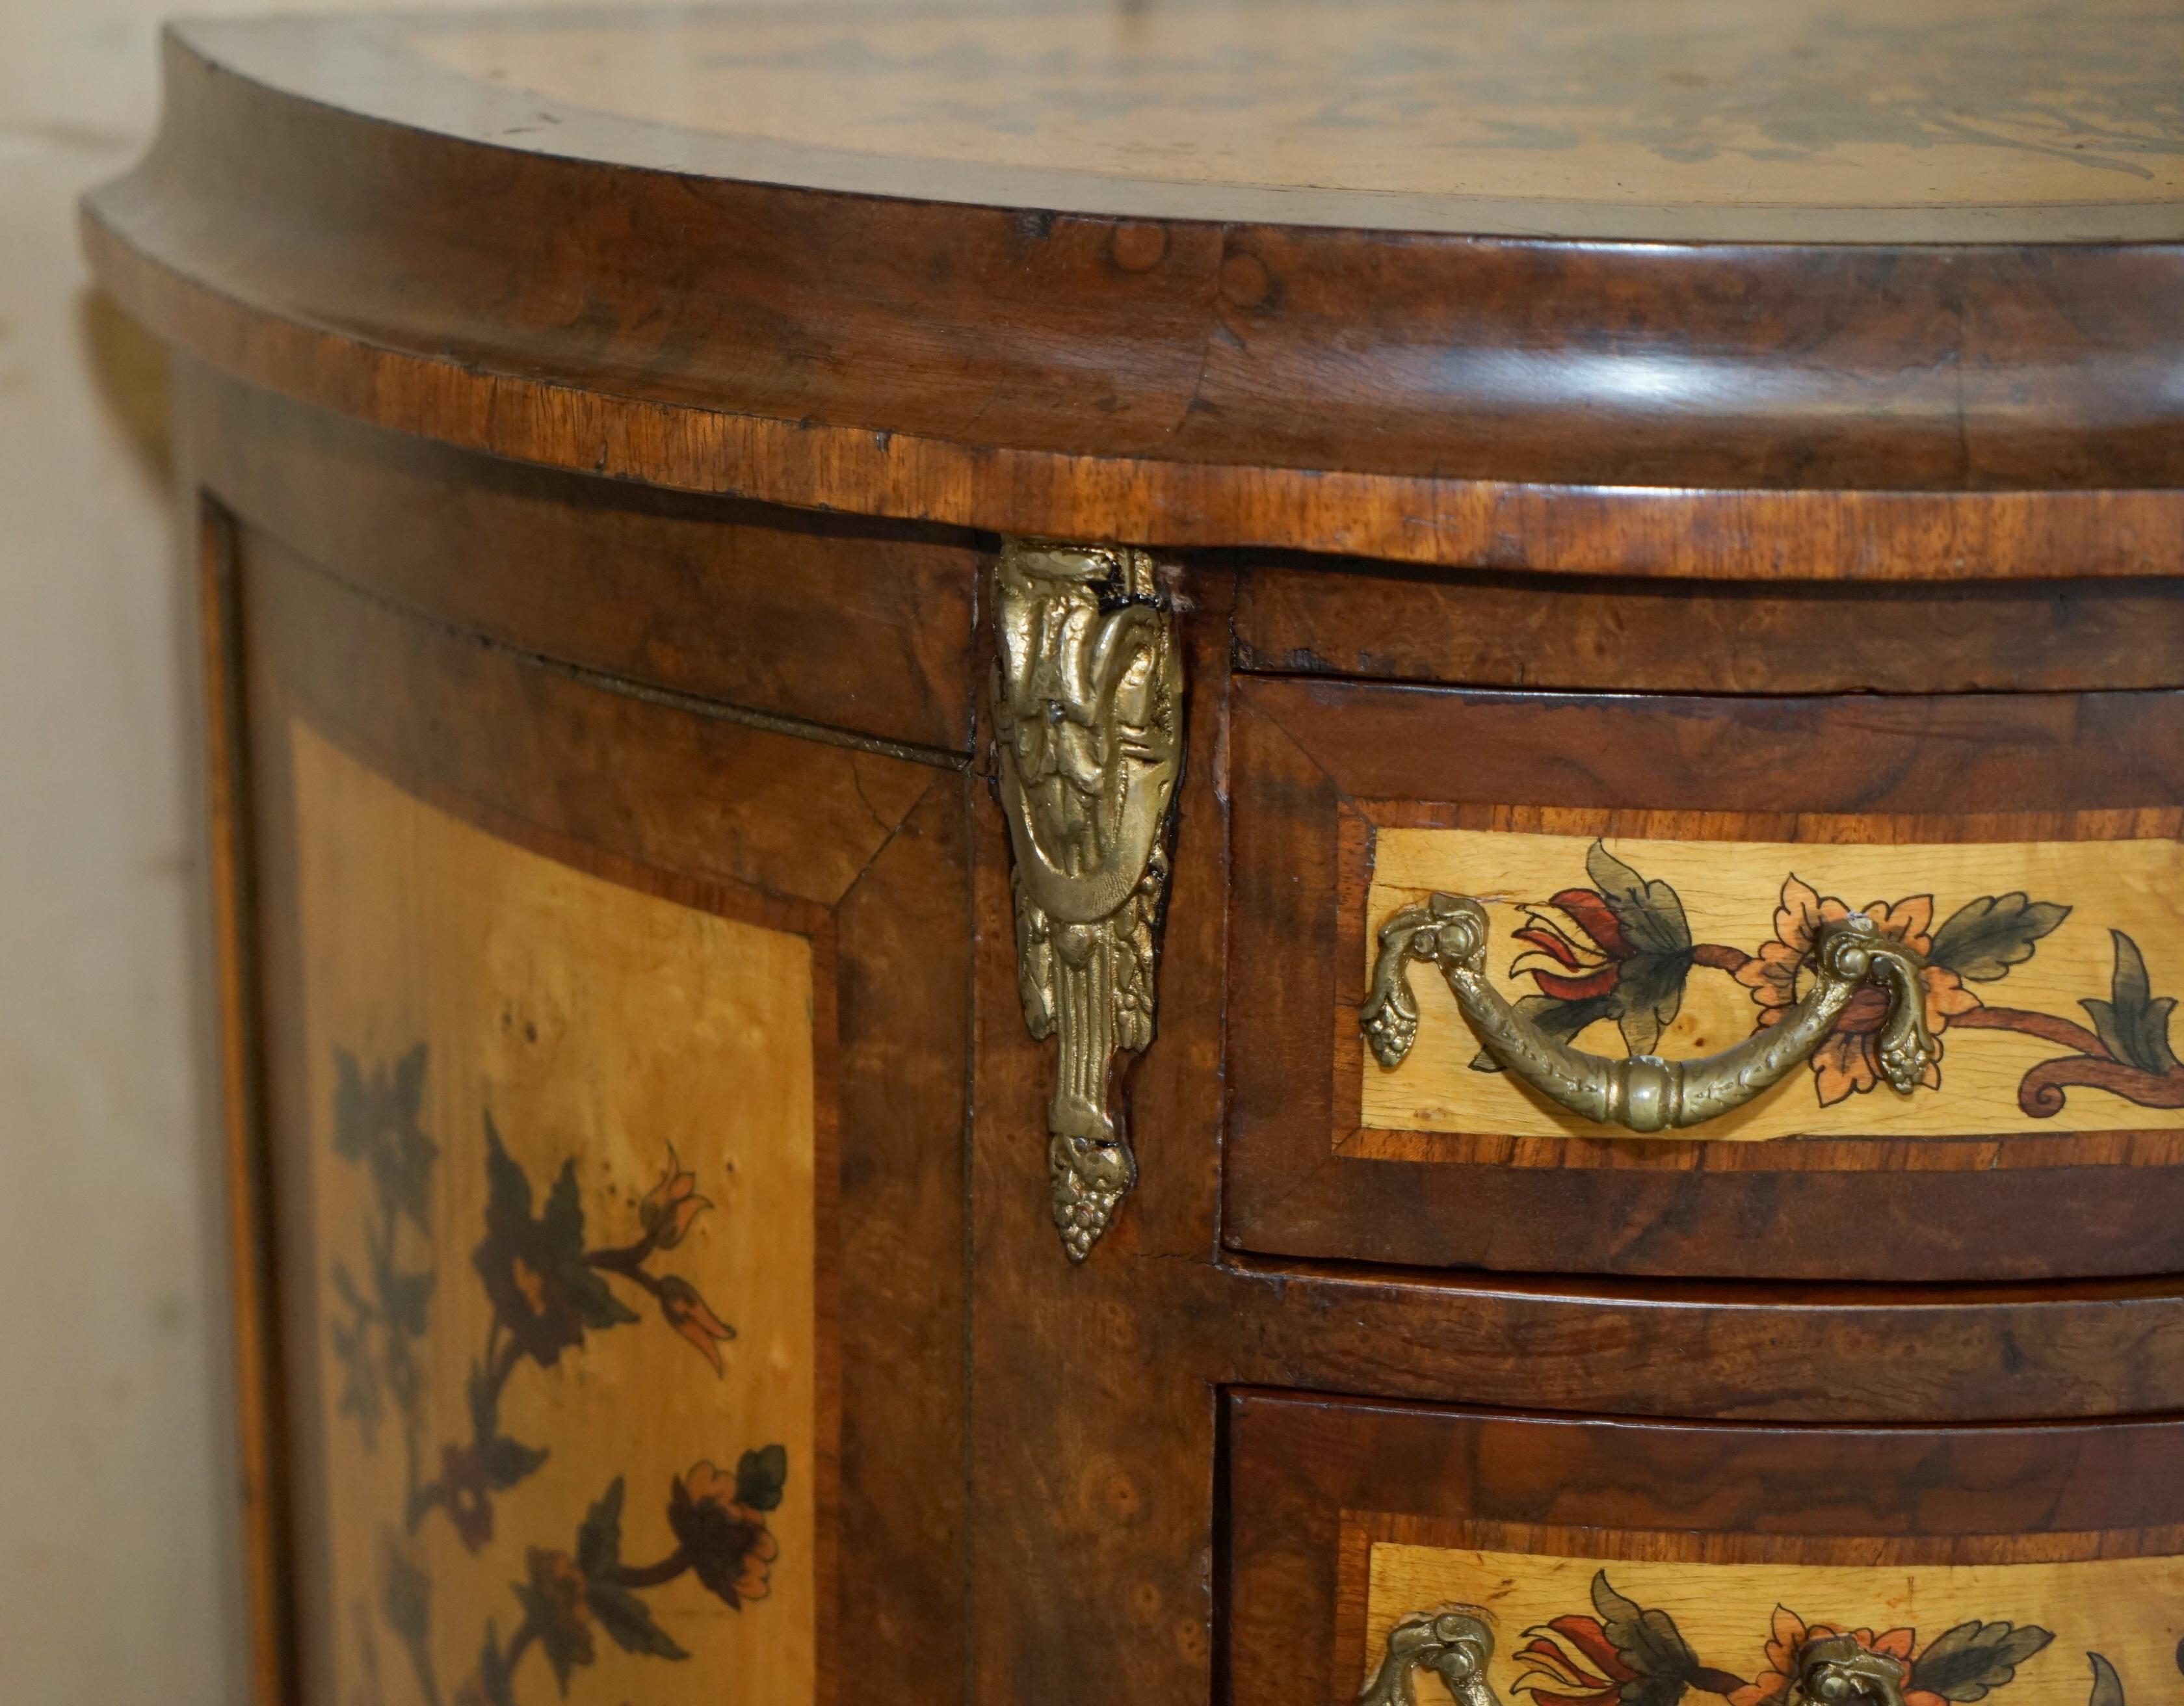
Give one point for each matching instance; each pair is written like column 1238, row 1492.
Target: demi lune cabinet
column 1244, row 853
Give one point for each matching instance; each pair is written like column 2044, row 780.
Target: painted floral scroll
column 2050, row 975
column 1701, row 1633
column 1621, row 1653
column 1622, row 948
column 548, row 1292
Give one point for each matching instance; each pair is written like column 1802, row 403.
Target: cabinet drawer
column 1521, row 1561
column 1658, row 875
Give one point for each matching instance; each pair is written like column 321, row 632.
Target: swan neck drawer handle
column 1644, row 1092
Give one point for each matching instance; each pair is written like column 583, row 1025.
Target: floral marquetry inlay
column 2047, row 974
column 1650, row 1631
column 562, row 1178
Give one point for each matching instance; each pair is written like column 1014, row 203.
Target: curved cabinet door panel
column 589, row 1246
column 561, row 1161
column 1389, row 1553
column 1535, row 982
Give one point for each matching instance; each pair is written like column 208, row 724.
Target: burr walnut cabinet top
column 1807, row 290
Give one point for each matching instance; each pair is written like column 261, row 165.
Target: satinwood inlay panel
column 562, row 1162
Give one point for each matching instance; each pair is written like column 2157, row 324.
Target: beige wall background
column 118, row 1549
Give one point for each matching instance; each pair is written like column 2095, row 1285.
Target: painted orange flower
column 672, row 1205
column 1847, row 1063
column 719, row 1521
column 1791, row 1634
column 689, row 1314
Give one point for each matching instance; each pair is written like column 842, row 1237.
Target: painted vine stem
column 546, row 1291
column 1623, row 950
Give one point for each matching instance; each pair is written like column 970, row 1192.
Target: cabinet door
column 600, row 1063
column 1393, row 1553
column 1660, row 875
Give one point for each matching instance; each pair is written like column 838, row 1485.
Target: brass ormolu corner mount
column 1088, row 736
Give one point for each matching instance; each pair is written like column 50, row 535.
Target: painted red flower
column 1577, row 957
column 467, row 1491
column 1571, row 1662
column 1620, row 949
column 1624, row 1655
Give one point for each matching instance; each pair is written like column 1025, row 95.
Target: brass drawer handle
column 1834, row 1670
column 1452, row 1642
column 1644, row 1092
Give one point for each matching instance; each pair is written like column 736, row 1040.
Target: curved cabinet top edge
column 1720, row 409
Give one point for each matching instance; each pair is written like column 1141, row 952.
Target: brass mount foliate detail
column 1452, row 1642
column 1088, row 727
column 1644, row 1092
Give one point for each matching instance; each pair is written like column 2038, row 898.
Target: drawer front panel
column 1589, row 1563
column 1598, row 1612
column 2041, row 958
column 1662, row 877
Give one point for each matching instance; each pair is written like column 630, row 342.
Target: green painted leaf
column 562, row 1645
column 344, row 1284
column 509, row 1461
column 493, row 1671
column 597, row 1306
column 361, row 1394
column 1983, row 939
column 405, row 1595
column 598, row 1542
column 563, row 1218
column 760, row 1475
column 2108, row 1686
column 1963, row 1662
column 405, row 1378
column 628, row 1620
column 409, row 1170
column 1652, row 990
column 409, row 1083
column 421, row 1502
column 484, row 1397
column 508, row 1187
column 1652, row 914
column 405, row 1298
column 1648, row 1643
column 1558, row 1018
column 352, row 1114
column 2133, row 1023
